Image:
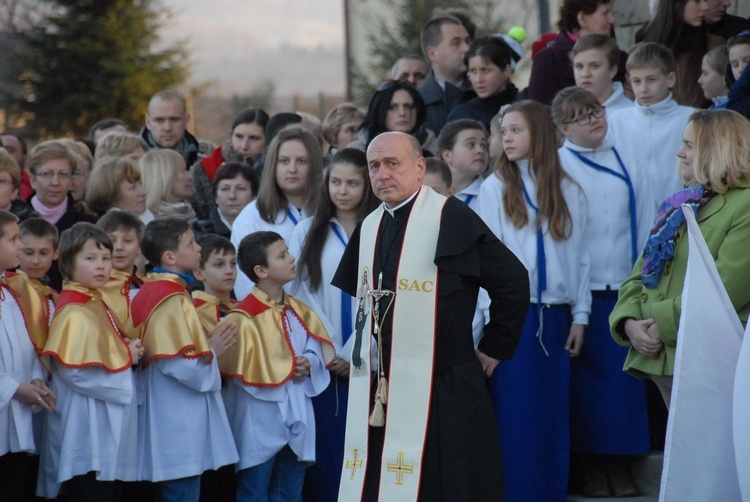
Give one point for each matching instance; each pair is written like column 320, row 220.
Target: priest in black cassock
column 454, row 451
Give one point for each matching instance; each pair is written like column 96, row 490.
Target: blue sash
column 631, row 194
column 541, row 265
column 346, row 298
column 291, row 216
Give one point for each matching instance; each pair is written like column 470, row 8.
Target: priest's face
column 396, row 167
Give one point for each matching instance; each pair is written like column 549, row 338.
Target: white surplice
column 93, row 428
column 265, row 419
column 182, row 425
column 19, row 364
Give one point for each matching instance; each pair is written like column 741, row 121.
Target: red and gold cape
column 84, row 333
column 209, row 308
column 168, row 322
column 263, row 355
column 116, row 294
column 32, row 297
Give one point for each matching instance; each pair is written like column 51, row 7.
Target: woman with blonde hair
column 716, row 148
column 340, row 127
column 121, row 144
column 168, row 184
column 115, row 183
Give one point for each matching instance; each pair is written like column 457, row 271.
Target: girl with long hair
column 539, row 212
column 287, row 193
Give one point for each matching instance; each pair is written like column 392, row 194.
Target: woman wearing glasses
column 396, row 106
column 607, row 407
column 52, row 165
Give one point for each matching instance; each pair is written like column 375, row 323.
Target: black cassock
column 462, row 451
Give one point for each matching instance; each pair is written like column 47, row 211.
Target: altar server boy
column 183, row 424
column 277, row 366
column 90, row 439
column 39, row 238
column 218, row 272
column 22, row 388
column 124, row 230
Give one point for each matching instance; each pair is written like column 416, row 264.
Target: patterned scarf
column 661, row 241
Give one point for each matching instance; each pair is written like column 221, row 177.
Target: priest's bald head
column 396, row 167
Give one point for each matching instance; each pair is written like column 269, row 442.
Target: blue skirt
column 322, row 478
column 607, row 406
column 530, row 394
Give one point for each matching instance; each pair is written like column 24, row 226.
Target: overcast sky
column 297, row 43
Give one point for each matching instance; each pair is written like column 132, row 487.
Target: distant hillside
column 294, row 70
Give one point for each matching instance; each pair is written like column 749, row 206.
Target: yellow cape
column 263, row 355
column 116, row 294
column 208, row 308
column 32, row 297
column 169, row 324
column 84, row 334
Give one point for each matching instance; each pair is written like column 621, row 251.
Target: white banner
column 699, row 459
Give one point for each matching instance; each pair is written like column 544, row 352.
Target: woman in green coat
column 715, row 158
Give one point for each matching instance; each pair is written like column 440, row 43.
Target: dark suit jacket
column 439, row 104
column 729, row 26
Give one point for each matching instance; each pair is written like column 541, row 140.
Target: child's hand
column 136, row 350
column 223, row 337
column 340, row 367
column 32, row 395
column 574, row 343
column 301, row 369
column 47, row 395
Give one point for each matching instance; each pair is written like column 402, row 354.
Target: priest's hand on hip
column 488, row 363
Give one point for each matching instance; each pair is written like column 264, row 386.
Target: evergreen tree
column 84, row 60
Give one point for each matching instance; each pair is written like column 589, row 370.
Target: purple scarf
column 661, row 240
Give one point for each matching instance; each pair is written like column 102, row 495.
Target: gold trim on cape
column 263, row 355
column 207, row 307
column 33, row 299
column 84, row 334
column 116, row 294
column 177, row 330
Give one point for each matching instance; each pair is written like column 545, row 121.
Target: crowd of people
column 457, row 294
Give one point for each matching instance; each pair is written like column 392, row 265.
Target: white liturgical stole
column 412, row 357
